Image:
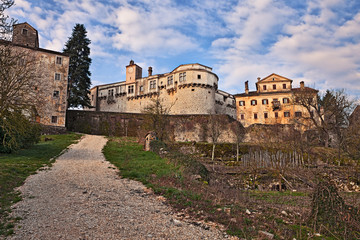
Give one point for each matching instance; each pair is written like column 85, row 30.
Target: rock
column 248, row 212
column 266, row 234
column 176, row 222
column 317, row 234
column 284, row 213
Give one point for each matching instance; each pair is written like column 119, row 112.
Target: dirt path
column 82, row 197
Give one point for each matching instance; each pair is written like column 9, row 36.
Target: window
column 284, row 86
column 199, row 76
column 141, row 88
column 242, row 116
column 56, row 94
column 182, row 77
column 255, row 115
column 286, row 114
column 274, row 86
column 264, row 87
column 53, row 119
column 298, row 114
column 265, row 102
column 170, row 80
column 57, row 76
column 152, row 84
column 241, row 103
column 131, row 89
column 276, row 115
column 253, row 102
column 24, row 31
column 111, row 92
column 59, row 60
column 286, row 100
column 265, row 115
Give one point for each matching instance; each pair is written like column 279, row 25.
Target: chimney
column 258, row 79
column 302, row 85
column 131, row 62
column 247, row 87
column 150, row 71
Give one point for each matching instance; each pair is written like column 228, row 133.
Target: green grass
column 134, row 163
column 16, row 167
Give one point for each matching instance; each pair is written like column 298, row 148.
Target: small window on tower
column 59, row 60
column 274, row 86
column 199, row 76
column 242, row 116
column 56, row 94
column 24, row 31
column 53, row 119
column 264, row 87
column 57, row 76
column 255, row 116
column 284, row 86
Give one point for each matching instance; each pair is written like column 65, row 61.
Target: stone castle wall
column 181, row 128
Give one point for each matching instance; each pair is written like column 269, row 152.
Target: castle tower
column 24, row 34
column 133, row 72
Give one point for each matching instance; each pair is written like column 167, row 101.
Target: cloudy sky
column 316, row 41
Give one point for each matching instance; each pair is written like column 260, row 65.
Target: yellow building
column 273, row 102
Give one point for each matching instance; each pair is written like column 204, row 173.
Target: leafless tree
column 239, row 132
column 216, row 124
column 20, row 94
column 328, row 113
column 157, row 113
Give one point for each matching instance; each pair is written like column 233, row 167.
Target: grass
column 213, row 202
column 16, row 167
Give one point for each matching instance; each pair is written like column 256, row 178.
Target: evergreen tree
column 79, row 74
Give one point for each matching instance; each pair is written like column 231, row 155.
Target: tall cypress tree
column 79, row 74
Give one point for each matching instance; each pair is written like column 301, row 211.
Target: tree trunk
column 237, row 151
column 213, row 156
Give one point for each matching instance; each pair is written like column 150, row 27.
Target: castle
column 50, row 70
column 273, row 102
column 188, row 89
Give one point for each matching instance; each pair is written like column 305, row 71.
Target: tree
column 79, row 74
column 5, row 26
column 239, row 132
column 157, row 113
column 18, row 92
column 216, row 124
column 328, row 113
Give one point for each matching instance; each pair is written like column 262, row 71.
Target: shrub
column 16, row 132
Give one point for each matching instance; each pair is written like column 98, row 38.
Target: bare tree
column 216, row 124
column 239, row 132
column 328, row 113
column 157, row 113
column 20, row 96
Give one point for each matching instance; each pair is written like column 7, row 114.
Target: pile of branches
column 330, row 215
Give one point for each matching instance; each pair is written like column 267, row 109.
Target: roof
column 4, row 42
column 274, row 74
column 190, row 64
column 255, row 93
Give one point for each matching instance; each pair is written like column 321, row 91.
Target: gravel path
column 82, row 197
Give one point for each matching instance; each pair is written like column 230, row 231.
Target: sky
column 315, row 41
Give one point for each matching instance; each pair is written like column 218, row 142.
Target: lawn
column 16, row 167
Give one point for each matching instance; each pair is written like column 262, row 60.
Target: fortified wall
column 188, row 89
column 182, row 128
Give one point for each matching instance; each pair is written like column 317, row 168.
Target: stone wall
column 179, row 127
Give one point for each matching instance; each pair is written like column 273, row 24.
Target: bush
column 17, row 132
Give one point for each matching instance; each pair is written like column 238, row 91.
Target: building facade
column 50, row 75
column 273, row 102
column 188, row 89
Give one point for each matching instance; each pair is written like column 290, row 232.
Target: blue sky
column 316, row 41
